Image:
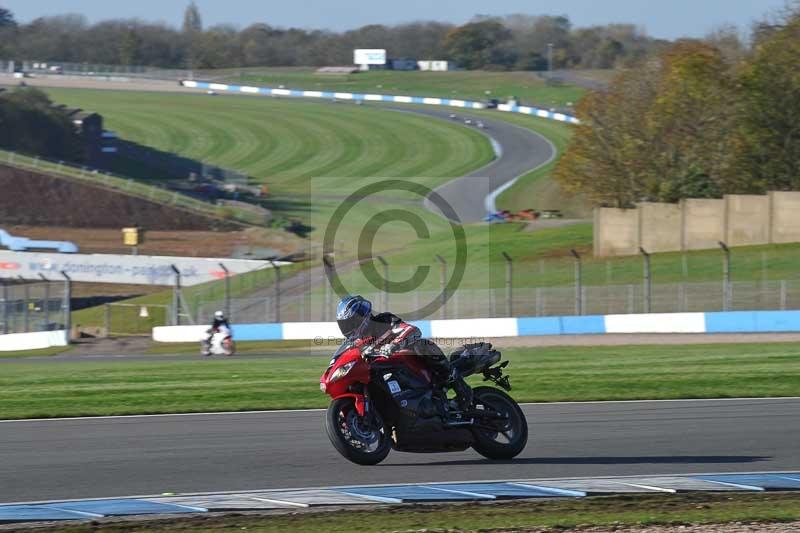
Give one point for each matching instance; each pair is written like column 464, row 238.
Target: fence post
column 578, row 283
column 5, row 307
column 631, row 299
column 67, row 305
column 26, row 307
column 783, row 295
column 443, row 285
column 509, row 285
column 648, row 281
column 227, row 291
column 726, row 276
column 176, row 301
column 385, row 265
column 277, row 297
column 46, row 302
column 539, row 306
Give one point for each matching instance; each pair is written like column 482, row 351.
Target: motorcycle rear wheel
column 362, row 441
column 505, row 440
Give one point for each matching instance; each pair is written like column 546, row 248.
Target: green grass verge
column 32, row 390
column 530, row 88
column 615, row 512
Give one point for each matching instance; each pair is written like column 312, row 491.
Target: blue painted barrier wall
column 727, row 322
column 422, row 100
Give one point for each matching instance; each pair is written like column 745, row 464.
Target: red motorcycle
column 380, row 403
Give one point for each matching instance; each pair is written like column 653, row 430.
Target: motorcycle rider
column 219, row 322
column 387, row 333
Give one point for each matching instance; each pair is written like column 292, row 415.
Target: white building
column 435, row 65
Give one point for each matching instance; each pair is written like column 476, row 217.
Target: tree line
column 29, row 123
column 701, row 119
column 520, row 42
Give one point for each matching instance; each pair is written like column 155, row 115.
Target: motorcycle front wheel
column 362, row 440
column 499, row 439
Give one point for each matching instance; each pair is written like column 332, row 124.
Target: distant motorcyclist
column 220, row 324
column 386, row 333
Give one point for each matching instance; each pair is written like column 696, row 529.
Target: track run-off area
column 123, row 456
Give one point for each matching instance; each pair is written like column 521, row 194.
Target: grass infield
column 284, row 143
column 290, row 381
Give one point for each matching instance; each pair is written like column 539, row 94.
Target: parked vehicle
column 380, row 403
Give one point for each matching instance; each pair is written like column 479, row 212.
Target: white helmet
column 219, row 315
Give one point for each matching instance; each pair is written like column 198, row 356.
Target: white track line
column 288, row 411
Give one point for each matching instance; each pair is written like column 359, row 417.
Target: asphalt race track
column 523, row 150
column 123, row 456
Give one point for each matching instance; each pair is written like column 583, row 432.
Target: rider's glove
column 386, row 350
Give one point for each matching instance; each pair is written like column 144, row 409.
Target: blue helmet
column 352, row 315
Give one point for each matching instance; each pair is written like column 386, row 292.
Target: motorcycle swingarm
column 483, row 414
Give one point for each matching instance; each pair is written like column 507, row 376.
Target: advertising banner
column 128, row 269
column 369, row 56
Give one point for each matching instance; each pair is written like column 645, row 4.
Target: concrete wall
column 747, row 219
column 697, row 224
column 785, row 217
column 703, row 223
column 616, row 231
column 657, row 223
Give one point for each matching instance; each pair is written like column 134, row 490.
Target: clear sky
column 660, row 18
